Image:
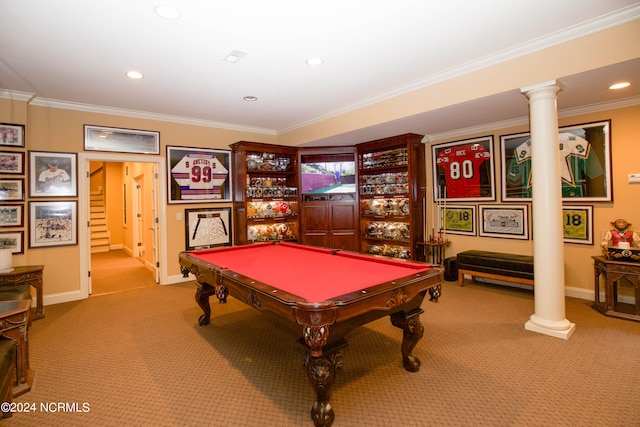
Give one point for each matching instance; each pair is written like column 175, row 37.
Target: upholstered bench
column 496, row 266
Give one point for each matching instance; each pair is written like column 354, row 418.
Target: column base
column 562, row 329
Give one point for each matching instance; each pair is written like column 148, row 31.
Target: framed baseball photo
column 198, row 175
column 53, row 224
column 11, row 135
column 52, row 174
column 12, row 162
column 464, row 170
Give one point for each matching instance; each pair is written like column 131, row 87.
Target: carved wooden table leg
column 203, row 292
column 412, row 332
column 321, row 371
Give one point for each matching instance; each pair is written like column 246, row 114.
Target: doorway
column 131, row 257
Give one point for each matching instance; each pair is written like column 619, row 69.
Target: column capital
column 551, row 85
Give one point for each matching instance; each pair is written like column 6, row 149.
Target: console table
column 14, row 324
column 27, row 275
column 612, row 271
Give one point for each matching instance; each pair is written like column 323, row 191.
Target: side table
column 612, row 271
column 27, row 275
column 434, row 250
column 14, row 324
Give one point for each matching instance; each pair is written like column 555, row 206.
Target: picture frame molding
column 37, row 167
column 483, row 218
column 136, row 141
column 34, row 222
column 197, row 214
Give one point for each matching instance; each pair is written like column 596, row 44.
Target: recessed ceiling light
column 134, row 75
column 234, row 56
column 250, row 98
column 620, row 85
column 314, row 61
column 167, row 12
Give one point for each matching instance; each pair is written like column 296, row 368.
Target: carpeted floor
column 139, row 358
column 116, row 271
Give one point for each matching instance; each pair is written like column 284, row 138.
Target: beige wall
column 625, row 127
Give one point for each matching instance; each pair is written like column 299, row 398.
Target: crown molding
column 15, row 95
column 583, row 29
column 65, row 105
column 521, row 121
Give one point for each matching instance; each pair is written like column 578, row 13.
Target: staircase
column 98, row 222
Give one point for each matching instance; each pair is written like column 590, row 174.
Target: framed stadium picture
column 506, row 221
column 53, row 224
column 585, row 166
column 464, row 170
column 207, row 228
column 198, row 175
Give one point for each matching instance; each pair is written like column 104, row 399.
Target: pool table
column 322, row 294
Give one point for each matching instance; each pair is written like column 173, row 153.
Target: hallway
column 116, row 271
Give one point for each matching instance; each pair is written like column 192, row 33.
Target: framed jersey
column 198, row 175
column 464, row 170
column 585, row 158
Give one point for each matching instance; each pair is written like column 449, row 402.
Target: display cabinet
column 391, row 175
column 265, row 181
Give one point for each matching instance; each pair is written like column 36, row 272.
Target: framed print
column 11, row 135
column 11, row 189
column 459, row 219
column 207, row 228
column 53, row 224
column 585, row 167
column 507, row 221
column 11, row 215
column 577, row 222
column 198, row 175
column 12, row 162
column 52, row 174
column 13, row 240
column 100, row 138
column 463, row 170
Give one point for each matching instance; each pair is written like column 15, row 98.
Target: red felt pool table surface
column 314, row 274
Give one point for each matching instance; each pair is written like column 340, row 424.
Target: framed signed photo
column 577, row 222
column 11, row 135
column 53, row 224
column 459, row 219
column 585, row 163
column 207, row 228
column 52, row 174
column 11, row 190
column 11, row 215
column 13, row 240
column 506, row 221
column 463, row 170
column 198, row 175
column 12, row 162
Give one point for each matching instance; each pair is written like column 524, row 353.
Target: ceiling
column 78, row 52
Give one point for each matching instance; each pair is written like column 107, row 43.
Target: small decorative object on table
column 621, row 243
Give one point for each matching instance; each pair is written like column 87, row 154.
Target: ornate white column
column 548, row 244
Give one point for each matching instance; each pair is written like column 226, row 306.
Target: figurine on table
column 621, row 236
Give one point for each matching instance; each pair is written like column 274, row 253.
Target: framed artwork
column 506, row 221
column 53, row 224
column 11, row 135
column 12, row 162
column 13, row 240
column 577, row 222
column 207, row 228
column 459, row 219
column 11, row 215
column 198, row 175
column 464, row 170
column 11, row 189
column 585, row 167
column 100, row 138
column 52, row 174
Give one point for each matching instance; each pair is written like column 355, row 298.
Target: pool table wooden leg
column 412, row 332
column 203, row 292
column 321, row 371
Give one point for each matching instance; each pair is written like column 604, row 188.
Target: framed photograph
column 585, row 152
column 577, row 222
column 12, row 162
column 52, row 174
column 11, row 189
column 100, row 138
column 53, row 224
column 459, row 219
column 13, row 240
column 198, row 175
column 207, row 228
column 11, row 135
column 506, row 221
column 11, row 215
column 464, row 170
